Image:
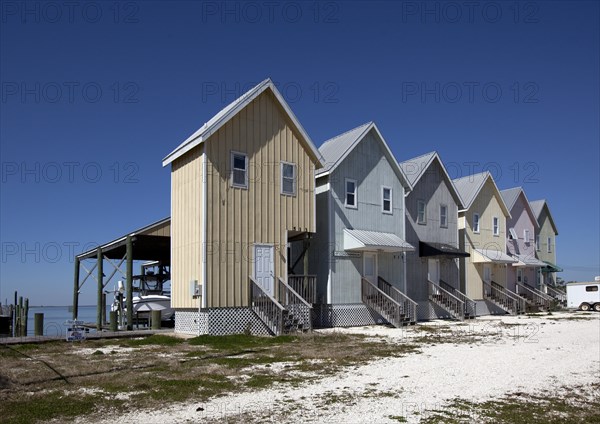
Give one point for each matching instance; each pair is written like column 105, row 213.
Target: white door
column 487, row 274
column 264, row 270
column 434, row 271
column 370, row 267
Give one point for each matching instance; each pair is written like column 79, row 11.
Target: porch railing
column 375, row 298
column 534, row 296
column 409, row 306
column 299, row 310
column 269, row 310
column 503, row 297
column 470, row 304
column 446, row 300
column 305, row 286
column 557, row 294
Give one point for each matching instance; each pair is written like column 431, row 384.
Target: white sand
column 541, row 354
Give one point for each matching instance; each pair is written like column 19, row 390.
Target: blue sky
column 95, row 94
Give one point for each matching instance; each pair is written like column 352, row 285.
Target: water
column 55, row 317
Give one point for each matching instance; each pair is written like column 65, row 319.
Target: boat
column 149, row 294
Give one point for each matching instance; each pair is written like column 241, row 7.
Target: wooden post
column 14, row 316
column 103, row 308
column 25, row 316
column 76, row 290
column 100, row 287
column 113, row 321
column 38, row 324
column 156, row 320
column 20, row 317
column 129, row 288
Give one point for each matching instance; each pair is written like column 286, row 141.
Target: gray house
column 432, row 207
column 358, row 252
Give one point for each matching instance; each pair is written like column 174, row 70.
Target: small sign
column 75, row 330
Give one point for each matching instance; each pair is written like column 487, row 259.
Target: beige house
column 242, row 189
column 482, row 234
column 545, row 244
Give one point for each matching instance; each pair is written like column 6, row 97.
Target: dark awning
column 441, row 249
column 550, row 267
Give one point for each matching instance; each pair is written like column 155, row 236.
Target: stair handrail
column 511, row 300
column 470, row 304
column 521, row 301
column 457, row 306
column 309, row 293
column 537, row 291
column 289, row 296
column 268, row 309
column 369, row 288
column 406, row 302
column 500, row 296
column 558, row 294
column 536, row 296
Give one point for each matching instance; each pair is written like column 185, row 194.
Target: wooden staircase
column 389, row 302
column 536, row 300
column 559, row 295
column 504, row 298
column 470, row 306
column 294, row 317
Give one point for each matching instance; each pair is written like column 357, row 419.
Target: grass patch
column 155, row 339
column 239, row 341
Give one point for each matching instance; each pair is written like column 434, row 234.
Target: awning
column 490, row 255
column 528, row 261
column 361, row 240
column 550, row 267
column 441, row 249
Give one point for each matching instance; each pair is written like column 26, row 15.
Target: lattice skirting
column 345, row 315
column 219, row 321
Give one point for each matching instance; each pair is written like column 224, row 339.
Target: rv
column 584, row 296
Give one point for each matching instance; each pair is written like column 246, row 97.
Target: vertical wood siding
column 239, row 218
column 521, row 220
column 487, row 205
column 186, row 219
column 433, row 188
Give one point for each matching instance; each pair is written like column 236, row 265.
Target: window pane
column 350, row 199
column 239, row 177
column 386, row 194
column 288, row 170
column 349, row 186
column 387, row 206
column 239, row 162
column 288, row 186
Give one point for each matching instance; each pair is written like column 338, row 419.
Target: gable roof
column 537, row 206
column 227, row 113
column 469, row 187
column 422, row 164
column 510, row 197
column 336, row 149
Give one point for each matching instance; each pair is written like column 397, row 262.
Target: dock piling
column 38, row 324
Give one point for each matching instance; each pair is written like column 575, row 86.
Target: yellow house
column 242, row 189
column 482, row 233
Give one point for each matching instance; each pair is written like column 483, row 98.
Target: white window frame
column 512, row 234
column 495, row 226
column 424, row 203
column 383, row 200
column 549, row 245
column 233, row 155
column 476, row 223
column 444, row 224
column 537, row 243
column 346, row 192
column 520, row 275
column 526, row 236
column 294, row 178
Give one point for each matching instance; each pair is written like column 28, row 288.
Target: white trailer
column 584, row 296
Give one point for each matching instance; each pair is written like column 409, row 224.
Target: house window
column 288, row 178
column 526, row 236
column 549, row 244
column 443, row 216
column 496, row 225
column 351, row 193
column 519, row 275
column 475, row 222
column 239, row 170
column 512, row 234
column 537, row 242
column 421, row 212
column 386, row 200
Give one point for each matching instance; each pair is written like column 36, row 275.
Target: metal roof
column 491, row 255
column 537, row 206
column 221, row 118
column 335, row 150
column 415, row 168
column 362, row 240
column 469, row 187
column 528, row 261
